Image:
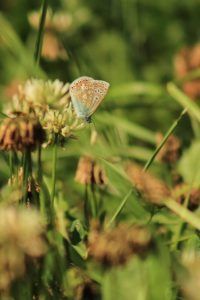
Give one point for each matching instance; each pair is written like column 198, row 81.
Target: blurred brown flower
column 20, row 133
column 20, row 237
column 151, row 188
column 90, row 172
column 116, row 246
column 183, row 192
column 187, row 60
column 52, row 48
column 170, row 152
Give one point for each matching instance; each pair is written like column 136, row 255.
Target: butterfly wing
column 100, row 89
column 86, row 94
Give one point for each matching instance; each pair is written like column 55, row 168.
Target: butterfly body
column 87, row 94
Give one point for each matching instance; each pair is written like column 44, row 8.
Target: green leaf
column 140, row 279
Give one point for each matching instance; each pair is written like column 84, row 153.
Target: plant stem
column 11, row 164
column 27, row 172
column 86, row 208
column 183, row 213
column 39, row 161
column 119, row 209
column 39, row 41
column 54, row 171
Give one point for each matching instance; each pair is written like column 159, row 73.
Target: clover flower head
column 63, row 123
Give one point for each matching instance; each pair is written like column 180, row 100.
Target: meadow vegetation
column 109, row 209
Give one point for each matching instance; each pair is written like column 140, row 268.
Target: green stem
column 27, row 172
column 39, row 41
column 183, row 213
column 11, row 164
column 119, row 209
column 39, row 158
column 86, row 208
column 54, row 172
column 167, row 135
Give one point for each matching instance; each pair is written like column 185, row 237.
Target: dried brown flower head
column 183, row 192
column 116, row 246
column 186, row 60
column 52, row 48
column 170, row 152
column 90, row 172
column 20, row 237
column 20, row 133
column 151, row 188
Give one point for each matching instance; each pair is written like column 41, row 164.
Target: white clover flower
column 38, row 91
column 64, row 123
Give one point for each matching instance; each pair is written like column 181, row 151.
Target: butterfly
column 86, row 95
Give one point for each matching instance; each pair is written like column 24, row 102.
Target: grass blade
column 183, row 213
column 119, row 209
column 159, row 147
column 184, row 100
column 39, row 41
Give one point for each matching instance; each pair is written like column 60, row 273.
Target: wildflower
column 152, row 189
column 90, row 172
column 116, row 246
column 20, row 133
column 46, row 92
column 187, row 60
column 39, row 96
column 63, row 123
column 52, row 48
column 184, row 193
column 20, row 237
column 170, row 152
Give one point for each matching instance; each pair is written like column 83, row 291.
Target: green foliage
column 132, row 45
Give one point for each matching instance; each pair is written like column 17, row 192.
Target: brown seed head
column 20, row 133
column 52, row 48
column 116, row 246
column 151, row 188
column 90, row 172
column 186, row 60
column 183, row 192
column 170, row 152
